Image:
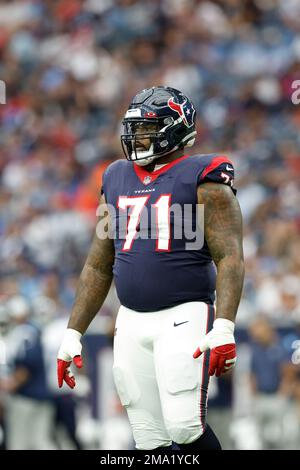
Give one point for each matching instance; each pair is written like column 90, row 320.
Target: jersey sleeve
column 104, row 182
column 106, row 178
column 219, row 169
column 109, row 177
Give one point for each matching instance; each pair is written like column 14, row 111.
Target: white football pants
column 161, row 385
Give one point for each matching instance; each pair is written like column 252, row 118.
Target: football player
column 169, row 337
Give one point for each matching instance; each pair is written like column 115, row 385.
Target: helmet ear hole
column 168, row 121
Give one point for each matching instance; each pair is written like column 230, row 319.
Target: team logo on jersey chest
column 147, row 180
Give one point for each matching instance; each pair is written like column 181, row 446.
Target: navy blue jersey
column 153, row 268
column 30, row 357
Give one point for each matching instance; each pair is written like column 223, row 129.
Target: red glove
column 220, row 341
column 70, row 350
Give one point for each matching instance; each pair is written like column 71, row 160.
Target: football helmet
column 164, row 117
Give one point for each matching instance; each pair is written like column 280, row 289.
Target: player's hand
column 70, row 350
column 220, row 341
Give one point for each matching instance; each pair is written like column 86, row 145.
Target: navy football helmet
column 168, row 119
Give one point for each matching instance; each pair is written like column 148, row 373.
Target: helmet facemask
column 156, row 139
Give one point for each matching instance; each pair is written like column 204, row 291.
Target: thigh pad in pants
column 180, row 373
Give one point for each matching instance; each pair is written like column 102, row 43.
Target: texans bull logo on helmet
column 185, row 110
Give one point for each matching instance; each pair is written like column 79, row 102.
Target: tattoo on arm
column 223, row 234
column 94, row 282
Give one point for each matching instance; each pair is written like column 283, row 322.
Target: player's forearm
column 91, row 292
column 229, row 286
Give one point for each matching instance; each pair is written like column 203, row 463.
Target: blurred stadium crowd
column 70, row 68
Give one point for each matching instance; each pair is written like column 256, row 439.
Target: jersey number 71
column 162, row 219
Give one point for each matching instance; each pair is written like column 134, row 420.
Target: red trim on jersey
column 142, row 173
column 217, row 161
column 203, row 372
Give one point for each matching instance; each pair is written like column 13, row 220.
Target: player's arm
column 94, row 283
column 223, row 234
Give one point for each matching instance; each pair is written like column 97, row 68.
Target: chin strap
column 144, row 161
column 147, row 160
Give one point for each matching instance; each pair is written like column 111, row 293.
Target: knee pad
column 182, row 433
column 127, row 388
column 148, row 432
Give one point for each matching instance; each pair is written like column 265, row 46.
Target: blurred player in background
column 166, row 284
column 29, row 412
column 271, row 369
